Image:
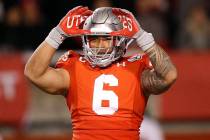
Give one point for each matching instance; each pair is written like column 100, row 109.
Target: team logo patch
column 135, row 57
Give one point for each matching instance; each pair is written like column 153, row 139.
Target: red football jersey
column 105, row 103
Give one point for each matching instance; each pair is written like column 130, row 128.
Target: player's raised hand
column 69, row 26
column 71, row 22
column 132, row 29
column 130, row 24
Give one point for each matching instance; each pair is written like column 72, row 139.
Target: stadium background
column 180, row 26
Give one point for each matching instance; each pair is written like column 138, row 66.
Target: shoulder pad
column 67, row 55
column 65, row 59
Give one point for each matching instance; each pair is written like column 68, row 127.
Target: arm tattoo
column 153, row 82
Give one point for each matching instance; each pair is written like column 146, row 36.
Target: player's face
column 102, row 43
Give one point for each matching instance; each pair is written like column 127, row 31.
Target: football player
column 106, row 92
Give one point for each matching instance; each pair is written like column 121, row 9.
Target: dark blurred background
column 175, row 24
column 181, row 27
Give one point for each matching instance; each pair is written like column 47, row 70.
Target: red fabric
column 87, row 123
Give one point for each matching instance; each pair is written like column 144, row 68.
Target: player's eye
column 91, row 38
column 107, row 38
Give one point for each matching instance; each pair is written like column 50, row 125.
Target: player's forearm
column 39, row 61
column 162, row 63
column 164, row 74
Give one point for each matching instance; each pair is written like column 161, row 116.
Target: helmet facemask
column 98, row 54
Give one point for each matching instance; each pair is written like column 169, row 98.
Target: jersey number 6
column 100, row 95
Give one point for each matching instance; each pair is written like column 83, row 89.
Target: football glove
column 69, row 26
column 130, row 25
column 132, row 29
column 71, row 22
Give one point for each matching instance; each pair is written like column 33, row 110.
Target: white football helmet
column 101, row 23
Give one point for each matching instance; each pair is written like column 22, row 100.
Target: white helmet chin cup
column 101, row 23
